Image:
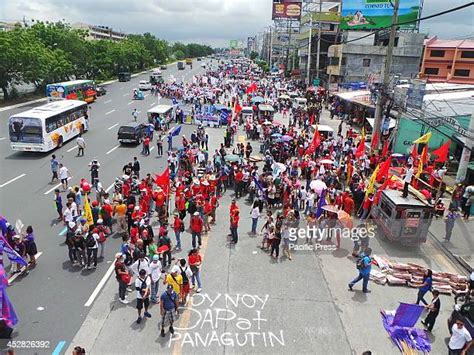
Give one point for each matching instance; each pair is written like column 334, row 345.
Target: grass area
column 23, row 98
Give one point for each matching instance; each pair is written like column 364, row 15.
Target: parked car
column 144, row 85
column 124, row 76
column 180, row 65
column 131, row 133
column 100, row 90
column 164, row 67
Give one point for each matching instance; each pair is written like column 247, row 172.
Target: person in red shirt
column 215, row 204
column 234, row 224
column 348, row 204
column 366, row 206
column 146, row 146
column 178, row 228
column 239, row 176
column 196, row 226
column 180, row 204
column 207, row 208
column 233, row 208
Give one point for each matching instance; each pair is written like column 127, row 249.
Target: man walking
column 64, row 175
column 155, row 275
column 433, row 311
column 142, row 285
column 450, row 222
column 364, row 267
column 460, row 340
column 81, row 144
column 234, row 224
column 136, row 167
column 168, row 305
column 54, row 168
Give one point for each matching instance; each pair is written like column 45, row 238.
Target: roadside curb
column 455, row 259
column 6, row 108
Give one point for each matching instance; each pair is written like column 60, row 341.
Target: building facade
column 363, row 60
column 449, row 61
column 100, row 32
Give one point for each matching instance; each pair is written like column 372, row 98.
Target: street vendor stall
column 161, row 114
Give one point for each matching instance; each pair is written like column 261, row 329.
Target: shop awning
column 372, row 121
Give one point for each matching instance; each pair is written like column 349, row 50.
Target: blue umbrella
column 286, row 138
column 276, row 135
column 258, row 99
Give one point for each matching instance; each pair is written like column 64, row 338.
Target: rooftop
column 434, row 42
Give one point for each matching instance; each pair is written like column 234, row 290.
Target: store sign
column 375, row 14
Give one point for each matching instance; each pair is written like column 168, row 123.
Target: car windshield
column 25, row 130
column 126, row 130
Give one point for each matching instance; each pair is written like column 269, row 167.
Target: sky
column 213, row 22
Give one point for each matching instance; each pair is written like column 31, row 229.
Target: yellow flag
column 420, row 168
column 424, row 139
column 362, row 132
column 88, row 211
column 371, row 185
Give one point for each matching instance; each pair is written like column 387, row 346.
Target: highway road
column 54, row 299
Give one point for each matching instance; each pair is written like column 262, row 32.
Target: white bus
column 46, row 127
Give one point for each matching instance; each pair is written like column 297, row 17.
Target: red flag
column 384, row 169
column 414, row 153
column 360, row 148
column 315, row 143
column 381, row 188
column 442, row 152
column 163, row 180
column 237, row 108
column 385, row 148
column 375, row 140
column 251, row 88
column 311, row 119
column 424, row 154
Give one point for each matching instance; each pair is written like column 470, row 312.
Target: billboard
column 234, row 44
column 290, row 10
column 375, row 14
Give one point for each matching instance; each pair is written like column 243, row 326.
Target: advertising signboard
column 287, row 9
column 375, row 14
column 234, row 44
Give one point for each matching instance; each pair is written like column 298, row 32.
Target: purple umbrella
column 286, row 138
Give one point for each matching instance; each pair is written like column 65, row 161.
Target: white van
column 144, row 85
column 300, row 102
column 325, row 131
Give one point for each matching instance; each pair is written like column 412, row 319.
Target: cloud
column 213, row 22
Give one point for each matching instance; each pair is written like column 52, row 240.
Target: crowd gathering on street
column 281, row 176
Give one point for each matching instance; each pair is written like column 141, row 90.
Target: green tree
column 179, row 54
column 253, row 55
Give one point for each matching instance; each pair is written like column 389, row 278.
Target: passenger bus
column 46, row 127
column 83, row 90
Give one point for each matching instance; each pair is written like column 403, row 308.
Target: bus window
column 386, row 209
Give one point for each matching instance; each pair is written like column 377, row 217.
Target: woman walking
column 30, row 245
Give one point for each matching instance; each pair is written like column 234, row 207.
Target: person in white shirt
column 68, row 213
column 81, row 144
column 407, row 180
column 309, row 202
column 302, row 197
column 64, row 174
column 255, row 215
column 142, row 285
column 142, row 263
column 460, row 340
column 155, row 276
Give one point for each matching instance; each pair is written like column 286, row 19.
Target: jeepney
column 402, row 220
column 265, row 112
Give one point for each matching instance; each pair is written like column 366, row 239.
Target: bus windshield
column 25, row 130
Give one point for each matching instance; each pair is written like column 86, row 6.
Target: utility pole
column 271, row 49
column 466, row 152
column 319, row 38
column 386, row 74
column 308, row 66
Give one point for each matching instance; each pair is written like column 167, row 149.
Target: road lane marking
column 185, row 317
column 154, row 102
column 64, row 230
column 12, row 180
column 111, row 111
column 14, row 276
column 125, row 95
column 146, row 95
column 111, row 150
column 59, row 347
column 71, row 149
column 115, row 125
column 110, row 187
column 55, row 187
column 101, row 284
column 106, row 102
column 2, row 138
column 131, row 102
column 151, row 149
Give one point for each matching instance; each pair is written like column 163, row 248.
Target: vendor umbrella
column 326, row 161
column 278, row 167
column 258, row 99
column 232, row 158
column 345, row 219
column 276, row 135
column 284, row 97
column 267, row 123
column 318, row 186
column 330, row 208
column 286, row 138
